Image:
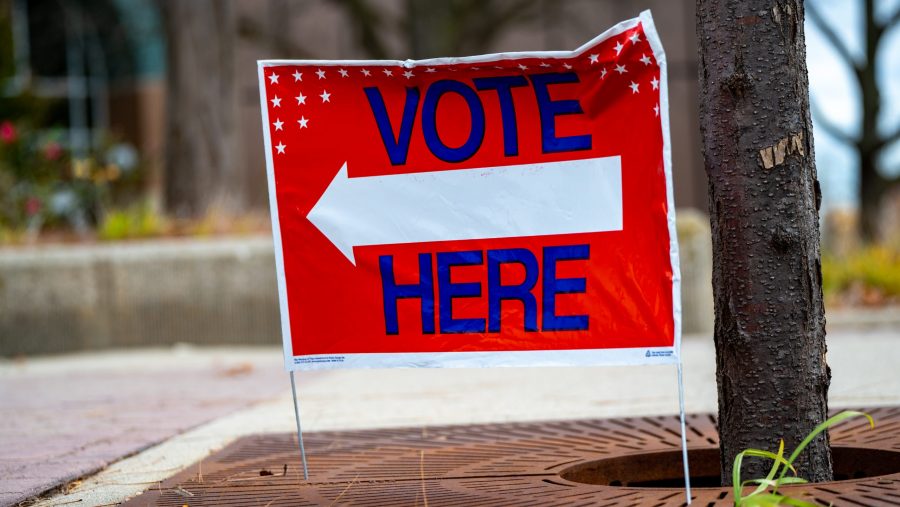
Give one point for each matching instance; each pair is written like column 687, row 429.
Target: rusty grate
column 522, row 464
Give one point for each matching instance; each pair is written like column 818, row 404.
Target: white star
column 387, row 72
column 523, row 66
column 656, row 109
column 545, row 64
column 301, row 99
column 326, row 97
column 303, row 121
column 273, row 78
column 620, row 69
column 278, row 123
column 567, row 66
column 619, row 47
column 498, row 67
column 366, row 72
column 408, row 74
column 298, row 76
column 343, row 73
column 634, row 87
column 645, row 59
column 430, row 70
column 634, row 38
column 320, row 73
column 280, row 147
column 594, row 59
column 476, row 68
column 655, row 83
column 603, row 73
column 276, row 102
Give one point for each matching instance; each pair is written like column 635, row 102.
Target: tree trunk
column 871, row 185
column 871, row 189
column 202, row 168
column 763, row 200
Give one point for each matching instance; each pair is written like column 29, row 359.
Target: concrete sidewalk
column 863, row 365
column 73, row 415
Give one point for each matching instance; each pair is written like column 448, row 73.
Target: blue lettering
column 553, row 286
column 398, row 148
column 450, row 291
column 391, row 292
column 503, row 85
column 429, row 121
column 550, row 109
column 497, row 292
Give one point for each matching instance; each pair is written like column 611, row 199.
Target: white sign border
column 579, row 357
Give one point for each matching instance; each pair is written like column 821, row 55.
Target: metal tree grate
column 523, row 464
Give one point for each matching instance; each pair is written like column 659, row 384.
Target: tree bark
column 763, row 201
column 202, row 169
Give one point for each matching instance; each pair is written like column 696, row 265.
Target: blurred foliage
column 42, row 184
column 136, row 221
column 866, row 276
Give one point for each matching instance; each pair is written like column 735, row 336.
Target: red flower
column 32, row 206
column 52, row 150
column 7, row 132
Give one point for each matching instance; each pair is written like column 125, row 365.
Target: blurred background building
column 123, row 119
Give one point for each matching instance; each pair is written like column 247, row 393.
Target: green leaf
column 778, row 460
column 846, row 414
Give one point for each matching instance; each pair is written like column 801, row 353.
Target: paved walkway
column 70, row 416
column 863, row 365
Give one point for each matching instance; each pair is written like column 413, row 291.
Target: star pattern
column 611, row 71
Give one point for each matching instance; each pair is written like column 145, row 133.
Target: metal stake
column 684, row 452
column 300, row 433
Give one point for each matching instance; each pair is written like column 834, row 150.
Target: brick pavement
column 67, row 417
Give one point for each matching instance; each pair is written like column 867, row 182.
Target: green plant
column 139, row 221
column 766, row 491
column 874, row 269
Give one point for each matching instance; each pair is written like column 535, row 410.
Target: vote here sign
column 495, row 210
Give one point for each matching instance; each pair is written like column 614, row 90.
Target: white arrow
column 568, row 197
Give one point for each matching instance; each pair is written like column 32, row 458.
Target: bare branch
column 830, row 127
column 831, row 35
column 893, row 20
column 888, row 139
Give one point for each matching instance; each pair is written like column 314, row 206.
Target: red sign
column 507, row 209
